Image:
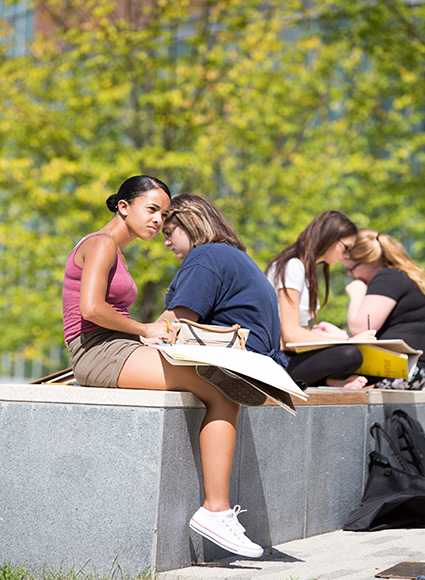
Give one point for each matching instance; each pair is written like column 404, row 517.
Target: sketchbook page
column 411, row 364
column 282, row 398
column 178, row 361
column 307, row 346
column 251, row 364
column 258, row 366
column 396, row 345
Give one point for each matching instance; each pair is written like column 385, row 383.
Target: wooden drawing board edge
column 55, row 377
column 406, row 570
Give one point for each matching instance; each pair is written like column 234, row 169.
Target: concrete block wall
column 92, row 476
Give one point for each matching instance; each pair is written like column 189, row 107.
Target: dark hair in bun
column 134, row 187
column 112, row 203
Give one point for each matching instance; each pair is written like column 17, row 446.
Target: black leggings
column 314, row 367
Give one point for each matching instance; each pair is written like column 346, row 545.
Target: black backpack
column 402, row 441
column 394, row 496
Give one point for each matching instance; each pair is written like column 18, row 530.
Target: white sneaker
column 225, row 531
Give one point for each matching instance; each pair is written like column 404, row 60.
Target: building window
column 21, row 18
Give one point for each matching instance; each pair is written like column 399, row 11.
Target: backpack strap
column 377, row 427
column 411, row 439
column 210, row 327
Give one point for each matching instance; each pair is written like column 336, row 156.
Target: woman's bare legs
column 146, row 369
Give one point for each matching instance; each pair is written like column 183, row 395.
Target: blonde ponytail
column 371, row 245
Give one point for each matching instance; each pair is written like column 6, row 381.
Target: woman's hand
column 151, row 340
column 366, row 335
column 356, row 288
column 161, row 330
column 329, row 329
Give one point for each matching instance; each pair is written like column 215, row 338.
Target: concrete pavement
column 333, row 556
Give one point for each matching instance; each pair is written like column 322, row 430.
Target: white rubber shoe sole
column 232, row 386
column 227, row 533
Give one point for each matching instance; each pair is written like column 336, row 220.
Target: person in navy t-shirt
column 218, row 283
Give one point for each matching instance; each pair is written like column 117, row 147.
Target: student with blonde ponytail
column 389, row 295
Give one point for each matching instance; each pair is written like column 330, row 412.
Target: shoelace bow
column 232, row 520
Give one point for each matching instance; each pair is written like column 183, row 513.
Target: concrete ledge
column 75, row 394
column 89, row 475
column 388, row 397
column 70, row 394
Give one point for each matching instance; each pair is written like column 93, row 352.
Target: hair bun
column 112, row 203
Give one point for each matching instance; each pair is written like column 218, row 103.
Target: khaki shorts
column 97, row 357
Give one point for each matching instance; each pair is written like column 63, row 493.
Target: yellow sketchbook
column 381, row 362
column 382, row 358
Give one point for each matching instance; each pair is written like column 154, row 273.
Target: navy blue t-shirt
column 224, row 286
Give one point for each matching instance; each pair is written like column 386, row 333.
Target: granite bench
column 94, row 476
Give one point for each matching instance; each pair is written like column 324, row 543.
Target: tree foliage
column 275, row 111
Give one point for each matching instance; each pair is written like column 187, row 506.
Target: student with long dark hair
column 293, row 273
column 106, row 351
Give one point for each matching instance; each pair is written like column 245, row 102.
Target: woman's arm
column 330, row 330
column 97, row 256
column 179, row 312
column 366, row 310
column 291, row 329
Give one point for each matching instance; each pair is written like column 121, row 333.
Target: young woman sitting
column 388, row 294
column 293, row 273
column 106, row 350
column 218, row 283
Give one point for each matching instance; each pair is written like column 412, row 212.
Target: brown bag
column 193, row 333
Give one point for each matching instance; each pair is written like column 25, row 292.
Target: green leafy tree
column 275, row 111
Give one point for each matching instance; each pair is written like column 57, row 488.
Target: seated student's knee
column 351, row 356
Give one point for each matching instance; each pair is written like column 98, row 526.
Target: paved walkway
column 334, row 556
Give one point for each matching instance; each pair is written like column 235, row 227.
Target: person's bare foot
column 352, row 382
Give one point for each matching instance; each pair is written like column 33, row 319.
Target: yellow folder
column 381, row 362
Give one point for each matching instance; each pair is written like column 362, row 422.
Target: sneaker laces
column 233, row 519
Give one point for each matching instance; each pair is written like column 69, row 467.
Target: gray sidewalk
column 334, row 556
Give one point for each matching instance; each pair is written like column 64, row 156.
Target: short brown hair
column 202, row 220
